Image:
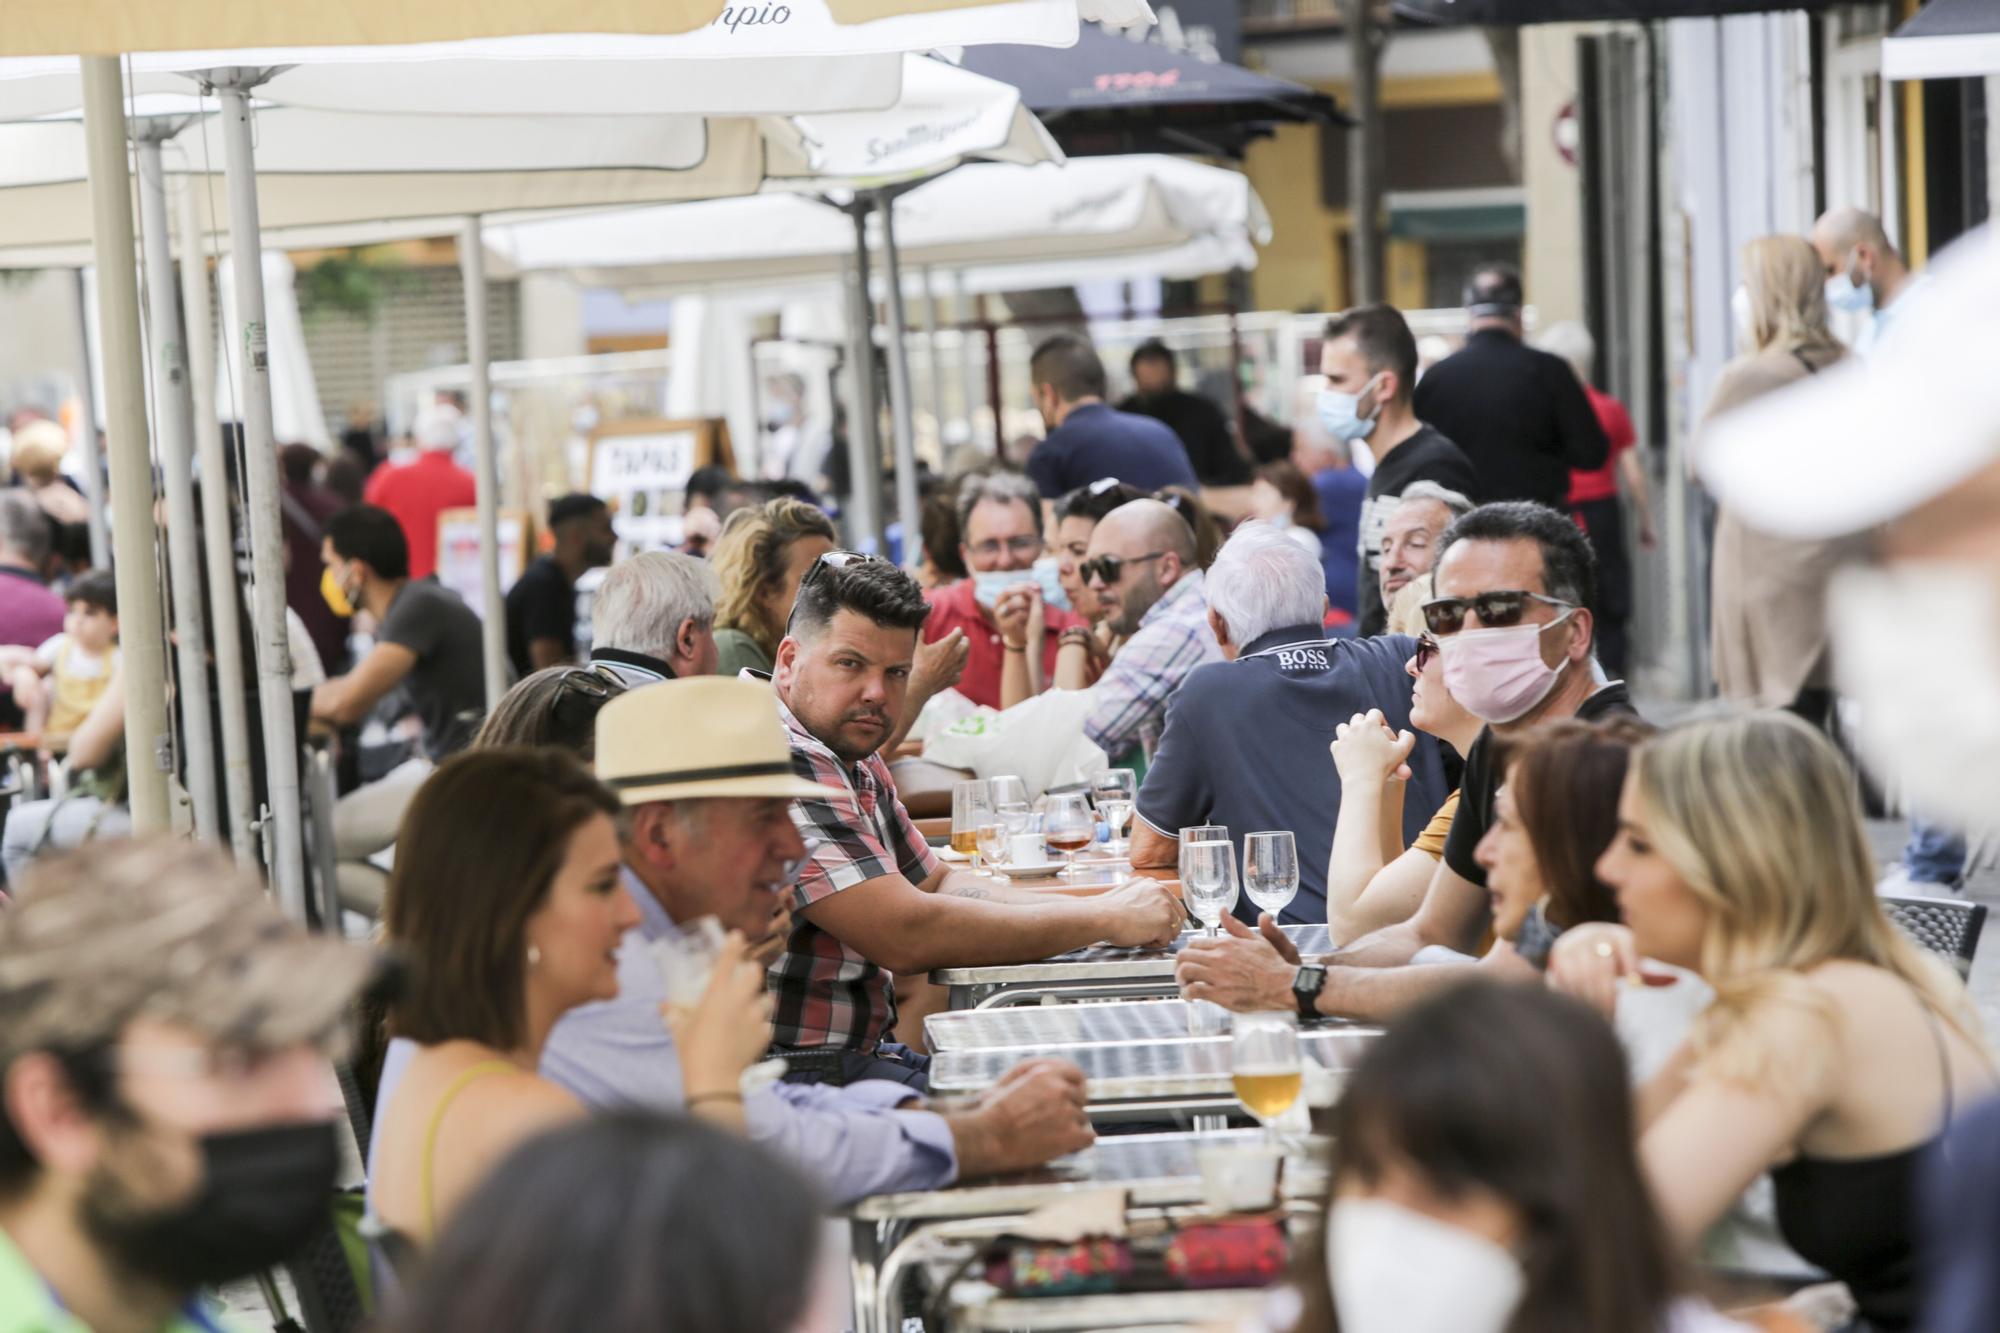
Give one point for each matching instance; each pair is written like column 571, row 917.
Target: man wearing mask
column 541, row 606
column 1369, row 358
column 1513, row 618
column 168, row 1118
column 1009, row 616
column 1203, row 430
column 1864, row 273
column 1929, row 722
column 1517, row 412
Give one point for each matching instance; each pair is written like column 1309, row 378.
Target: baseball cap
column 1868, row 440
column 159, row 927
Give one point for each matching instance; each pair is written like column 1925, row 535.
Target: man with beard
column 541, row 606
column 167, row 1116
column 873, row 902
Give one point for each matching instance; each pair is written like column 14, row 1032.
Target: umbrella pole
column 217, row 531
column 902, row 411
column 932, row 359
column 961, row 315
column 864, row 446
column 143, row 654
column 260, row 500
column 175, row 421
column 86, row 425
column 493, row 615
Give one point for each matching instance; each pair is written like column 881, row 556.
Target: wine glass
column 993, row 840
column 1271, row 870
column 969, row 806
column 1208, row 879
column 1264, row 1066
column 1068, row 825
column 1004, row 791
column 1117, row 813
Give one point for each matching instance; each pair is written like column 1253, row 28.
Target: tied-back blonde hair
column 1786, row 282
column 1758, row 815
column 751, row 556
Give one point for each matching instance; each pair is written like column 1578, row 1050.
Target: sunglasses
column 838, row 560
column 1108, row 569
column 580, row 693
column 1496, row 610
column 1427, row 649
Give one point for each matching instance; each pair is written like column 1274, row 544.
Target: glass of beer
column 970, row 807
column 1264, row 1065
column 1068, row 826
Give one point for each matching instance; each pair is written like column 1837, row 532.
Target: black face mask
column 263, row 1193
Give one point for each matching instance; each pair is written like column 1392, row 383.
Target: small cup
column 1240, row 1178
column 1026, row 849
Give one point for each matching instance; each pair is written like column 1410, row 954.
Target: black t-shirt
column 1519, row 414
column 1425, row 456
column 540, row 605
column 1476, row 791
column 1204, row 431
column 447, row 686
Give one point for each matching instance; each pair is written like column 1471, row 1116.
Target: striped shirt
column 1129, row 705
column 825, row 993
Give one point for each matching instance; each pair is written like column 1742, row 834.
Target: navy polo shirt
column 1096, row 441
column 1246, row 745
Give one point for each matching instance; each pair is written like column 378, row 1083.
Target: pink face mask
column 1498, row 674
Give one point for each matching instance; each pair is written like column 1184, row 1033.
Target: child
column 78, row 663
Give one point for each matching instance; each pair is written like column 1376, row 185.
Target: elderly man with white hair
column 653, row 618
column 1247, row 739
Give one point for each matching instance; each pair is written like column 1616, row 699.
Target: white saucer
column 1027, row 871
column 950, row 854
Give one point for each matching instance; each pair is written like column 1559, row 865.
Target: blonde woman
column 762, row 555
column 1836, row 1050
column 1768, row 632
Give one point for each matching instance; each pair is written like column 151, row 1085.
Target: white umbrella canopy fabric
column 979, row 217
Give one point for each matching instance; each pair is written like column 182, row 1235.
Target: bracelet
column 1014, row 647
column 701, row 1097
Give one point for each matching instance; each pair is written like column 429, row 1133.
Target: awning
column 1519, row 13
column 1947, row 39
column 1109, row 94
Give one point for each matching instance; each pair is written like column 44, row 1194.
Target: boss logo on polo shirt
column 1303, row 659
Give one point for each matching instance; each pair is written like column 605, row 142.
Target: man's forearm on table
column 1376, row 994
column 1391, row 946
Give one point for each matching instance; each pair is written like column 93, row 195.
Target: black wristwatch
column 1306, row 987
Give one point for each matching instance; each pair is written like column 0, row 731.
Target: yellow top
column 427, row 1167
column 1431, row 841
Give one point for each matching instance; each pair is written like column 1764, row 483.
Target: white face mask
column 1845, row 294
column 1397, row 1271
column 1917, row 647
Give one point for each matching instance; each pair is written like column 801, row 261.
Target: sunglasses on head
column 838, row 560
column 1496, row 610
column 580, row 693
column 1108, row 569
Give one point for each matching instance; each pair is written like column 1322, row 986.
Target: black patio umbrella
column 1108, row 94
column 1517, row 13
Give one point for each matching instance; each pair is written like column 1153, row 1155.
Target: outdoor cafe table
column 1156, row 1171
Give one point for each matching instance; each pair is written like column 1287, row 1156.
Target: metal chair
column 1945, row 926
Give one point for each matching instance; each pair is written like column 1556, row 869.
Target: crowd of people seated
column 666, row 862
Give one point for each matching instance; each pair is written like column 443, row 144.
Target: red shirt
column 416, row 493
column 955, row 607
column 1602, row 483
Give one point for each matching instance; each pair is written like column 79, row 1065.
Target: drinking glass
column 1208, row 880
column 1191, row 835
column 993, row 841
column 1271, row 870
column 1068, row 825
column 1006, row 791
column 1117, row 812
column 1264, row 1065
column 969, row 808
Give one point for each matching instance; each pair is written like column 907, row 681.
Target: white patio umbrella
column 423, row 148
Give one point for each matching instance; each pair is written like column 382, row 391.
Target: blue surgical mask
column 987, row 585
column 1340, row 414
column 1844, row 294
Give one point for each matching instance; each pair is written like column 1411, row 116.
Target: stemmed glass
column 1208, row 880
column 1004, row 791
column 970, row 807
column 1264, row 1066
column 1115, row 790
column 993, row 841
column 1068, row 826
column 1271, row 870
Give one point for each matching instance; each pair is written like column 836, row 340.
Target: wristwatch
column 1306, row 988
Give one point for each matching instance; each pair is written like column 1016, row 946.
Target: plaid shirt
column 826, row 994
column 1173, row 638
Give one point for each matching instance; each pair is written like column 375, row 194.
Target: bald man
column 1141, row 566
column 1864, row 273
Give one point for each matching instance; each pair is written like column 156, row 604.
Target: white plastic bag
column 1040, row 741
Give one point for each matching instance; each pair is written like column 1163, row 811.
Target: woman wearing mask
column 1371, row 881
column 1768, row 594
column 1486, row 1181
column 1835, row 1052
column 629, row 1223
column 506, row 904
column 762, row 555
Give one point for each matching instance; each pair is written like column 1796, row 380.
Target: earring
column 534, row 955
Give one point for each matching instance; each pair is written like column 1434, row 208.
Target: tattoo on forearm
column 961, row 890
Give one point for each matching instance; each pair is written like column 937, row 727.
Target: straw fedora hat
column 697, row 737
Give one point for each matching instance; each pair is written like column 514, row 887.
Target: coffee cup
column 1026, row 849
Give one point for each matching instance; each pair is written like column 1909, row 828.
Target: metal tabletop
column 1155, row 1311
column 1102, row 969
column 1117, row 1022
column 1174, row 1067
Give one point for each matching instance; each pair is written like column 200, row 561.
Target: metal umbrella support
column 864, row 444
column 493, row 616
column 902, row 409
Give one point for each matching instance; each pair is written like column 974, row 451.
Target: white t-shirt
column 307, row 669
column 81, row 665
